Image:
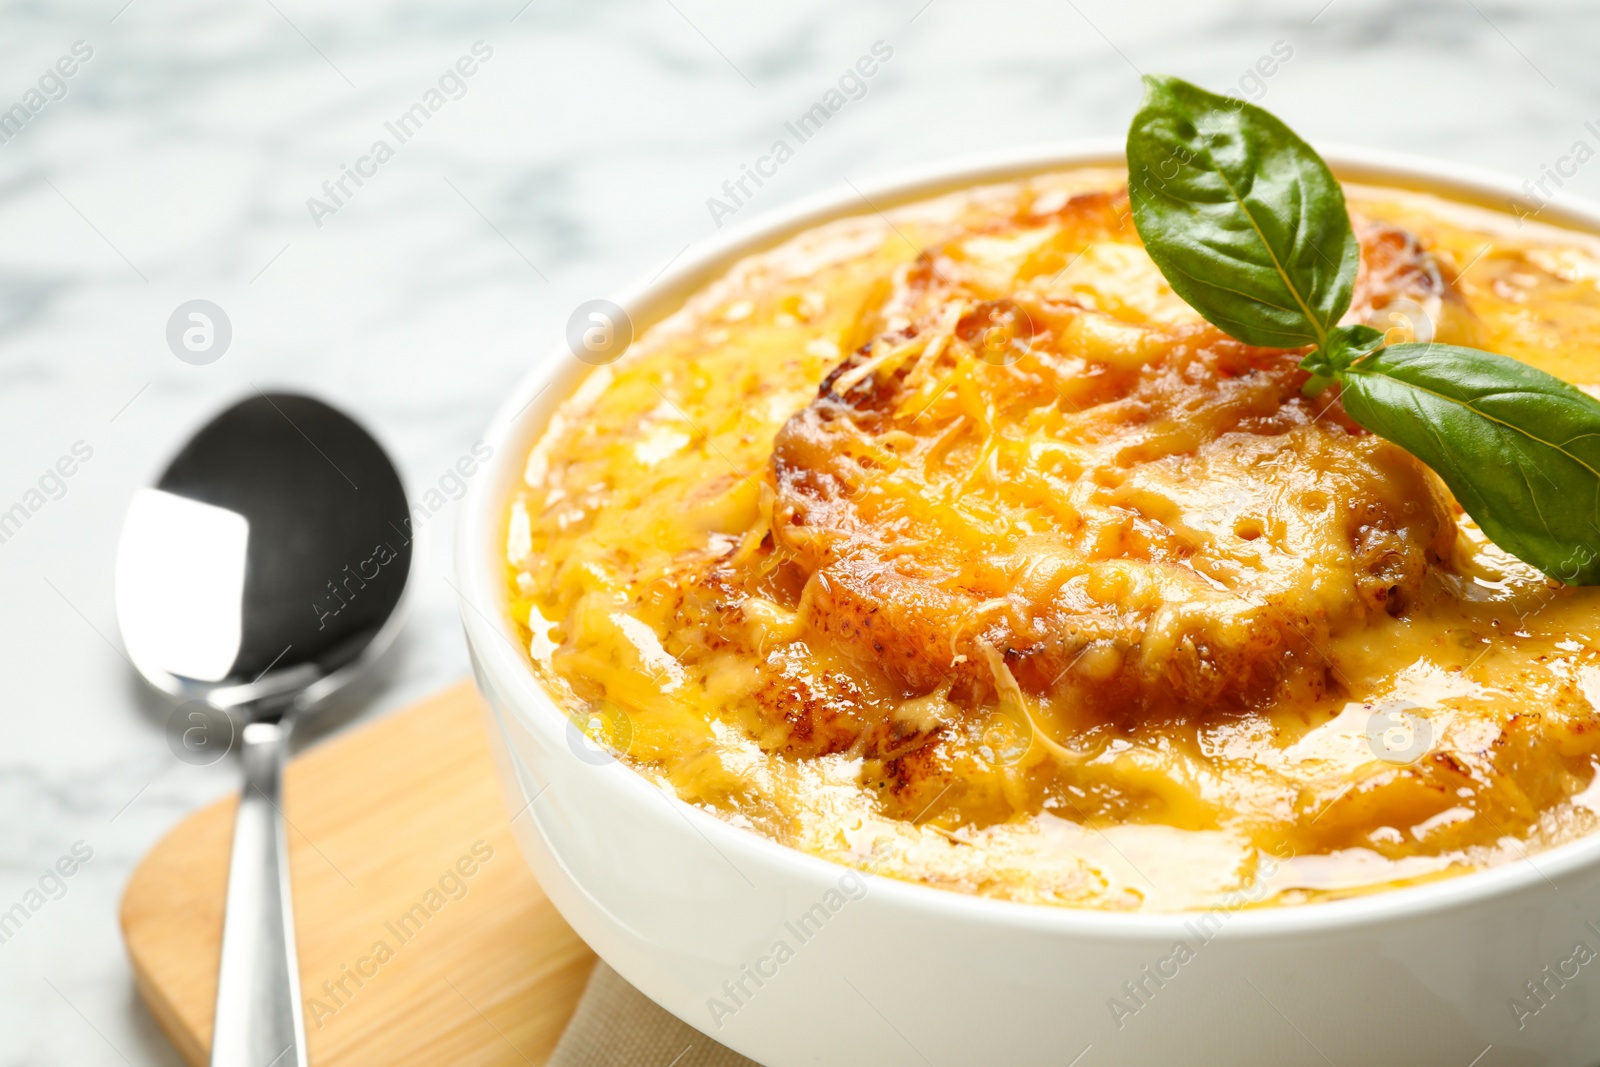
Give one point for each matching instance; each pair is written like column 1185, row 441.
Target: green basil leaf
column 1242, row 217
column 1520, row 449
column 1346, row 344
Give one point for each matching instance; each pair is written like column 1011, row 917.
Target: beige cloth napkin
column 618, row 1026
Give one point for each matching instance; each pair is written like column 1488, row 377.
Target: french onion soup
column 951, row 545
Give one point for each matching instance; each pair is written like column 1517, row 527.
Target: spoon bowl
column 269, row 560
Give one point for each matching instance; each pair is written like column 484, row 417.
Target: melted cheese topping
column 952, row 545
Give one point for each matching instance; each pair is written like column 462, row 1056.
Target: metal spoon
column 262, row 573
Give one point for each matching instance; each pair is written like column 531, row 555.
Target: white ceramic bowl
column 692, row 910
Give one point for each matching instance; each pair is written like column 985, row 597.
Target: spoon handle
column 258, row 1018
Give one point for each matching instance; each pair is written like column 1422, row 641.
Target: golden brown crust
column 1134, row 596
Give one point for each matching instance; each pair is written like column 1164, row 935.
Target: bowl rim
column 482, row 588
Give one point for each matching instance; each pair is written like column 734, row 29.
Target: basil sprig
column 1249, row 227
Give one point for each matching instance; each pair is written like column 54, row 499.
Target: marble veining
column 178, row 163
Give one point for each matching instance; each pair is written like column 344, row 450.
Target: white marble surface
column 178, row 165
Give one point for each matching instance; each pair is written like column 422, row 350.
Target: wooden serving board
column 385, row 824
